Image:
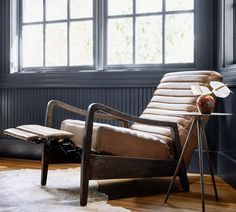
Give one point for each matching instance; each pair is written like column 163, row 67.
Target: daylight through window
column 57, row 33
column 150, row 31
column 115, row 33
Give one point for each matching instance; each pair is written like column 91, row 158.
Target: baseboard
column 19, row 149
column 227, row 169
column 26, row 150
column 194, row 164
column 223, row 165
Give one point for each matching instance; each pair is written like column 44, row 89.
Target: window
column 57, row 33
column 102, row 34
column 227, row 35
column 150, row 32
column 234, row 31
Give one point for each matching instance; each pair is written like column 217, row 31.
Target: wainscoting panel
column 4, row 36
column 27, row 106
column 227, row 141
column 23, row 105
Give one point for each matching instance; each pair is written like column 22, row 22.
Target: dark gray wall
column 23, row 97
column 226, row 160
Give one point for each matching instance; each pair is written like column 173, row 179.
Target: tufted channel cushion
column 172, row 94
column 107, row 139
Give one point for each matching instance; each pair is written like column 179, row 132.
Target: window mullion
column 100, row 33
column 134, row 32
column 44, row 33
column 20, row 41
column 100, row 18
column 68, row 32
column 163, row 30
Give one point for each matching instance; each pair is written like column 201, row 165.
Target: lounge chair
column 144, row 146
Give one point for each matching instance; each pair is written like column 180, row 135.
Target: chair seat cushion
column 107, row 139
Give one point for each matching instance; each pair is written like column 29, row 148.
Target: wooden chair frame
column 98, row 166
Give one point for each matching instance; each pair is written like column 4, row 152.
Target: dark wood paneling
column 4, row 36
column 227, row 168
column 24, row 106
column 226, row 157
column 108, row 79
column 205, row 41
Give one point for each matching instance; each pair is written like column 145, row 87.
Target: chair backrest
column 174, row 94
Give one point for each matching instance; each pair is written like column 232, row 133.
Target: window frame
column 44, row 22
column 153, row 66
column 100, row 20
column 227, row 35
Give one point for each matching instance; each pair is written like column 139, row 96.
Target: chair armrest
column 87, row 139
column 55, row 103
column 126, row 117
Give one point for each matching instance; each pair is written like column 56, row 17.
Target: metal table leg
column 204, row 139
column 201, row 136
column 199, row 132
column 180, row 161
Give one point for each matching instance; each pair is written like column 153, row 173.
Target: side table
column 201, row 136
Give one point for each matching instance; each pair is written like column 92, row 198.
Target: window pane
column 32, row 46
column 56, row 44
column 120, row 41
column 179, row 5
column 120, row 7
column 148, row 6
column 179, row 38
column 32, row 10
column 81, row 43
column 81, row 8
column 56, row 9
column 149, row 39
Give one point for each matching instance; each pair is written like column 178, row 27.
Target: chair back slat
column 174, row 94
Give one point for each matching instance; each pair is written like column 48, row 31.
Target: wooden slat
column 111, row 167
column 26, row 136
column 45, row 132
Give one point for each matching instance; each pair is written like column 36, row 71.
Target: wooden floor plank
column 146, row 195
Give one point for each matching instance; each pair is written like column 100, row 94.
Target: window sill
column 111, row 68
column 83, row 79
column 229, row 75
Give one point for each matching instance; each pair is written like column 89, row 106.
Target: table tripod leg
column 180, row 160
column 200, row 162
column 209, row 161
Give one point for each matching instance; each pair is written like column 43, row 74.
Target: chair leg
column 84, row 183
column 44, row 163
column 183, row 178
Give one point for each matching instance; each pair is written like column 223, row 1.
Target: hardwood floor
column 149, row 194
